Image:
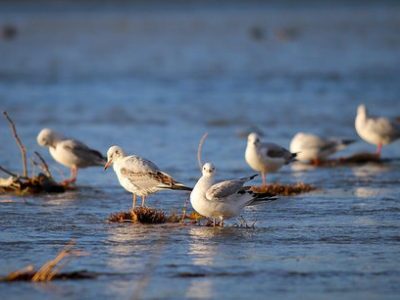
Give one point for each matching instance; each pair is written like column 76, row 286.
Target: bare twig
column 8, row 172
column 33, row 165
column 20, row 145
column 202, row 140
column 44, row 165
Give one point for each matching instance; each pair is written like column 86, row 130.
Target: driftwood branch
column 202, row 140
column 19, row 143
column 8, row 172
column 44, row 165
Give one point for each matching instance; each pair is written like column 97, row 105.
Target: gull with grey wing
column 140, row 176
column 69, row 152
column 225, row 199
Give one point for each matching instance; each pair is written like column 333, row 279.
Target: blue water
column 153, row 80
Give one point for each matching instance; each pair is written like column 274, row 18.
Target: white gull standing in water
column 225, row 199
column 313, row 148
column 69, row 152
column 266, row 157
column 140, row 176
column 378, row 131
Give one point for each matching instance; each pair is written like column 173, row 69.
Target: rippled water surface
column 153, row 80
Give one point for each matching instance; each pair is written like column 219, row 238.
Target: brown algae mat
column 356, row 159
column 277, row 189
column 147, row 215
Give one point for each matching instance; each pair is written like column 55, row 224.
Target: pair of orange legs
column 134, row 198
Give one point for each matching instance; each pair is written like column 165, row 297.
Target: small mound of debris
column 143, row 215
column 276, row 189
column 30, row 185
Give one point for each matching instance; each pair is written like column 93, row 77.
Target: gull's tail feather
column 259, row 198
column 342, row 144
column 292, row 157
column 348, row 142
column 180, row 187
column 167, row 182
column 99, row 158
column 245, row 179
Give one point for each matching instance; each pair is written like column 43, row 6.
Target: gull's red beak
column 107, row 165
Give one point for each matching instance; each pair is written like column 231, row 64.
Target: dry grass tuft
column 276, row 189
column 51, row 269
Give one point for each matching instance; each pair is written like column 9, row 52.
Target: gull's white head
column 208, row 169
column 47, row 137
column 361, row 109
column 113, row 154
column 253, row 139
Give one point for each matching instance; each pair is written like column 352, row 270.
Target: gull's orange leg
column 379, row 150
column 264, row 179
column 133, row 201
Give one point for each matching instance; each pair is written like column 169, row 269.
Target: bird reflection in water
column 202, row 251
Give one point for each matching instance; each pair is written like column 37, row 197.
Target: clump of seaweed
column 23, row 184
column 147, row 215
column 51, row 269
column 276, row 189
column 355, row 159
column 143, row 215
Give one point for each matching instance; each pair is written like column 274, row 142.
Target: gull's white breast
column 211, row 208
column 63, row 156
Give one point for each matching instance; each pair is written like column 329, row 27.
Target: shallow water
column 153, row 80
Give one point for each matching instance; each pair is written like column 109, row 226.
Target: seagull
column 376, row 130
column 140, row 176
column 312, row 148
column 266, row 157
column 69, row 152
column 225, row 199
